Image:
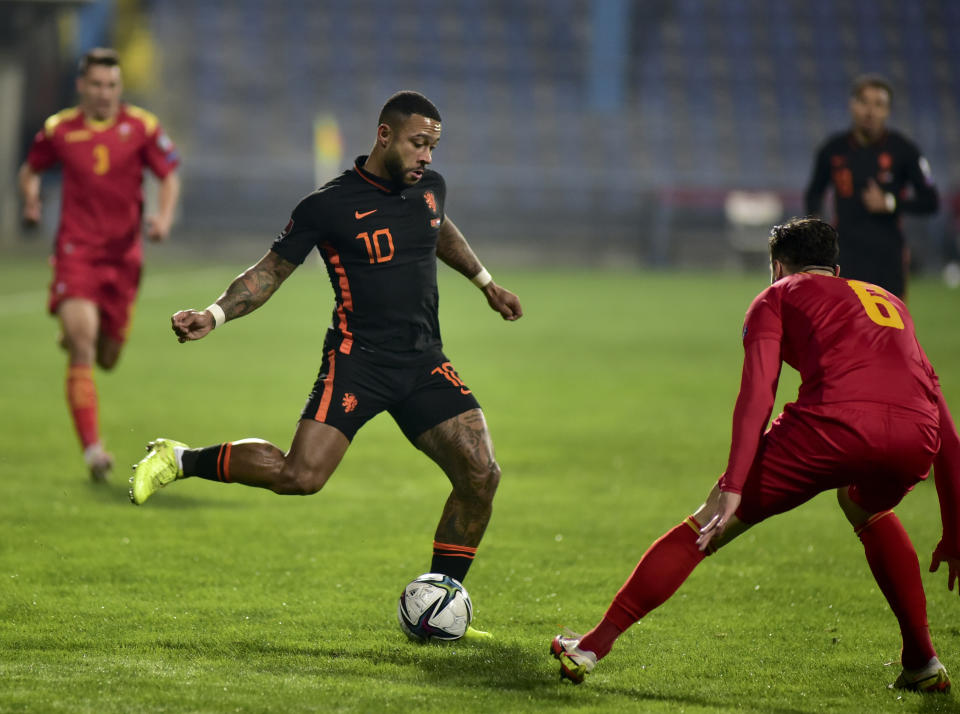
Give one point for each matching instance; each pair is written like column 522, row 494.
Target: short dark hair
column 98, row 55
column 877, row 81
column 804, row 241
column 402, row 105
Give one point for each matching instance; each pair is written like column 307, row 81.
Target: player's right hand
column 953, row 565
column 503, row 301
column 191, row 324
column 717, row 522
column 32, row 212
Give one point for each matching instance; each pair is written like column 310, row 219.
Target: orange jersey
column 103, row 161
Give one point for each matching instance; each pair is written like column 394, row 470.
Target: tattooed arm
column 245, row 294
column 453, row 249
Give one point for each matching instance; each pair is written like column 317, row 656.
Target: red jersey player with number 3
column 103, row 146
column 869, row 420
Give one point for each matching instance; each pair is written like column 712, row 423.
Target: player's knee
column 856, row 515
column 107, row 361
column 300, row 481
column 108, row 352
column 80, row 351
column 493, row 477
column 484, row 480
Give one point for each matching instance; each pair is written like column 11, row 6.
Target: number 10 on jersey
column 379, row 245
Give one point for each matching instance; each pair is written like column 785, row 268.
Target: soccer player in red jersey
column 869, row 420
column 103, row 146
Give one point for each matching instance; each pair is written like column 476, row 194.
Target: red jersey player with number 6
column 869, row 420
column 103, row 146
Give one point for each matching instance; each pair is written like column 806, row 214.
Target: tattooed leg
column 461, row 446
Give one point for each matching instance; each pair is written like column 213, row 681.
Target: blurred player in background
column 870, row 168
column 380, row 228
column 869, row 420
column 103, row 146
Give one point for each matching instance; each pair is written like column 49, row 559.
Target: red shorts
column 880, row 452
column 112, row 285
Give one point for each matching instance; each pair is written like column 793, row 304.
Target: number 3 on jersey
column 101, row 159
column 878, row 308
column 379, row 245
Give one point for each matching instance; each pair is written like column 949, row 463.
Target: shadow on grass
column 456, row 666
column 931, row 703
column 115, row 493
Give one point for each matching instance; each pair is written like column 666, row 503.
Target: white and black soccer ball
column 434, row 607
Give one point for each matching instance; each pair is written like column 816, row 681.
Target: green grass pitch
column 609, row 404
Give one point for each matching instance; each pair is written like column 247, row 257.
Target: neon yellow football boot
column 155, row 470
column 575, row 663
column 475, row 634
column 930, row 678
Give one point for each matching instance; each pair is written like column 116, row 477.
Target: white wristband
column 482, row 279
column 218, row 315
column 891, row 202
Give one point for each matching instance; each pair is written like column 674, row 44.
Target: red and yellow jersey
column 849, row 340
column 103, row 161
column 852, row 342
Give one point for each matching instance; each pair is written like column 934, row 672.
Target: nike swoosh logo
column 358, row 215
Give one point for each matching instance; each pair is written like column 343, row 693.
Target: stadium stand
column 718, row 96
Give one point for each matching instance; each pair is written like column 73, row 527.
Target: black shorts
column 351, row 389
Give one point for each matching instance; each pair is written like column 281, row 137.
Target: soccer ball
column 434, row 607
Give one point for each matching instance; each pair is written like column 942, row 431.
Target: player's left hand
column 157, row 228
column 953, row 565
column 727, row 505
column 503, row 301
column 874, row 198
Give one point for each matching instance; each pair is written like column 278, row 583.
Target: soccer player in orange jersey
column 869, row 420
column 103, row 145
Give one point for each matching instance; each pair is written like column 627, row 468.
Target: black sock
column 452, row 560
column 205, row 463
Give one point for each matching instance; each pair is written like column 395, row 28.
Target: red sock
column 662, row 569
column 897, row 571
column 82, row 399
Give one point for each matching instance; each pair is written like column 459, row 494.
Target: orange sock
column 82, row 399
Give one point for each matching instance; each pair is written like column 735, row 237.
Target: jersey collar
column 385, row 185
column 101, row 124
column 880, row 140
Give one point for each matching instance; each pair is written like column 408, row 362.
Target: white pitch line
column 35, row 301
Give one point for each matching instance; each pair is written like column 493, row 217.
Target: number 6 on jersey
column 872, row 304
